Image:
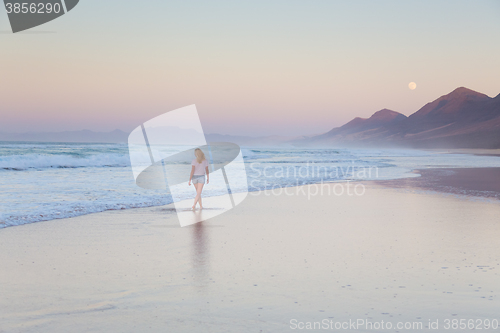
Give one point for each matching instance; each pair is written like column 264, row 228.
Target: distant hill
column 115, row 136
column 274, row 140
column 461, row 119
column 359, row 129
column 118, row 136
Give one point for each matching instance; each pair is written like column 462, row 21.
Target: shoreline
column 469, row 182
column 468, row 151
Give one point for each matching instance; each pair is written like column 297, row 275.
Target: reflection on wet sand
column 200, row 254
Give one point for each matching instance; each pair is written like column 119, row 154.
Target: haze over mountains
column 462, row 119
column 118, row 136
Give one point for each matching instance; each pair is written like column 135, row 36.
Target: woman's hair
column 200, row 156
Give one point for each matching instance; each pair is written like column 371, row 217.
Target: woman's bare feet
column 201, row 207
column 193, row 208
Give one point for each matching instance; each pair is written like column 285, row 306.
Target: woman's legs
column 196, row 197
column 199, row 188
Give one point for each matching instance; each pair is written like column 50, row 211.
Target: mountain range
column 461, row 119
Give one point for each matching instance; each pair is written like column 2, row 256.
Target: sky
column 272, row 67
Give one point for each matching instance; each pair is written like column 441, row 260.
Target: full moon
column 412, row 85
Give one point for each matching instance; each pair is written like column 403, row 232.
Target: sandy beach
column 271, row 264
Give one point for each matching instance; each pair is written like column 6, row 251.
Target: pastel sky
column 283, row 67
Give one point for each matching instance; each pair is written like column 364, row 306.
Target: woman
column 198, row 170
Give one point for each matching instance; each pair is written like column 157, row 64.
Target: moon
column 412, row 85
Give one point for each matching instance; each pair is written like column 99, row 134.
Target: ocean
column 46, row 181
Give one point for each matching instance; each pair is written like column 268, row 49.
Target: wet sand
column 385, row 255
column 472, row 151
column 475, row 182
